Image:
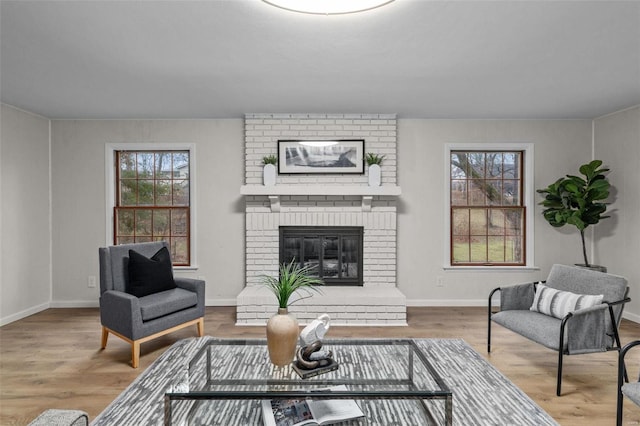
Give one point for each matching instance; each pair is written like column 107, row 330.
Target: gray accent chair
column 138, row 320
column 630, row 390
column 583, row 331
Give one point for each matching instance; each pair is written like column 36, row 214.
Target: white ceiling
column 224, row 58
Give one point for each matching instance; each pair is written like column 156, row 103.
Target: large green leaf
column 590, row 169
column 578, row 181
column 554, row 218
column 572, row 187
column 576, row 220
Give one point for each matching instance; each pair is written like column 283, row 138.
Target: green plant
column 577, row 201
column 270, row 159
column 372, row 158
column 292, row 278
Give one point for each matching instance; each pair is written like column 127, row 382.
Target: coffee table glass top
column 391, row 379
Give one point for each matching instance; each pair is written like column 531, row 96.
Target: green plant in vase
column 270, row 159
column 269, row 170
column 292, row 278
column 282, row 328
column 372, row 158
column 374, row 161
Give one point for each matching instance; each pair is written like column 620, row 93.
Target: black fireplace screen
column 335, row 253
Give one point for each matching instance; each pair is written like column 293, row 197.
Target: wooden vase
column 282, row 337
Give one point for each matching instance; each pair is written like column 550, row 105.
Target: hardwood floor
column 53, row 360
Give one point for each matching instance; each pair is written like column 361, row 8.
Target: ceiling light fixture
column 328, row 7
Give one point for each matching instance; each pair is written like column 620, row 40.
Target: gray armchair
column 587, row 330
column 630, row 390
column 140, row 319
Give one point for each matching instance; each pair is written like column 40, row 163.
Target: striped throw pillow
column 558, row 303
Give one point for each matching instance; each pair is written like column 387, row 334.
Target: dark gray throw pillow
column 148, row 276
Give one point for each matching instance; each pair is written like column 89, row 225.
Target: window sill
column 491, row 268
column 185, row 268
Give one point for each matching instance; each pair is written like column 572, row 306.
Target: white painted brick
column 272, row 121
column 262, row 130
column 280, row 126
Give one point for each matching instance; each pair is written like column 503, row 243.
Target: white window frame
column 110, row 187
column 528, row 200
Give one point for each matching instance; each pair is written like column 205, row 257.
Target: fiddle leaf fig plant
column 577, row 201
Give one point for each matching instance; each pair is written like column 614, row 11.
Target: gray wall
column 560, row 147
column 25, row 237
column 79, row 200
column 618, row 238
column 79, row 203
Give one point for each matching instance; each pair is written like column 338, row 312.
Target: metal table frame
column 415, row 354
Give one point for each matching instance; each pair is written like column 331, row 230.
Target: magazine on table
column 296, row 412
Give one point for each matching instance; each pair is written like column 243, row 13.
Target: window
column 152, row 200
column 488, row 208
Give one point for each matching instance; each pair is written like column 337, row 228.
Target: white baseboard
column 446, row 302
column 23, row 314
column 75, row 304
column 631, row 317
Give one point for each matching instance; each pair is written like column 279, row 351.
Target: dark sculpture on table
column 311, row 358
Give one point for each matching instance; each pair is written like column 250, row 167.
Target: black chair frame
column 623, row 378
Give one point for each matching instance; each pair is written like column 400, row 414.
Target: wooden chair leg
column 105, row 337
column 200, row 326
column 135, row 353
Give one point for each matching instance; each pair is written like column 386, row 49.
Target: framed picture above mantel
column 321, row 156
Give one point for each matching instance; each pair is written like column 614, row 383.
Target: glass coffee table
column 391, row 380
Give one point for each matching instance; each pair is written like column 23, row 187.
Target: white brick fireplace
column 322, row 200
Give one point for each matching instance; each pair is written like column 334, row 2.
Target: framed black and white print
column 321, row 156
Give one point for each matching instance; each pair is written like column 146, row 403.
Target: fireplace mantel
column 276, row 191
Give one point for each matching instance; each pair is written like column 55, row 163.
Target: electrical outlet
column 91, row 281
column 439, row 282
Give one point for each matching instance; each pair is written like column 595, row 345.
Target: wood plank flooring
column 53, row 360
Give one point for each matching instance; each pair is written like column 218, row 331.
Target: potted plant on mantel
column 374, row 161
column 282, row 328
column 269, row 170
column 578, row 201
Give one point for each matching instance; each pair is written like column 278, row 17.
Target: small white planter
column 374, row 175
column 269, row 175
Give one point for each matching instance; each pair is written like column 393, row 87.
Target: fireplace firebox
column 335, row 253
